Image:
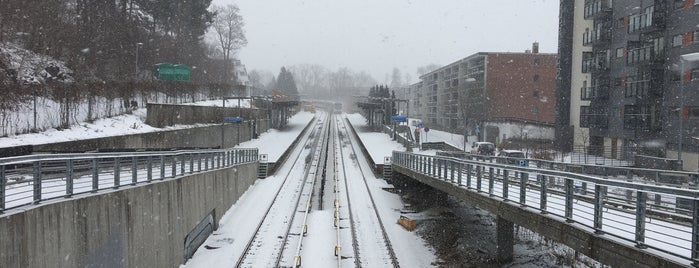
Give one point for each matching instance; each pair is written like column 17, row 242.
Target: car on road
column 483, row 148
column 512, row 157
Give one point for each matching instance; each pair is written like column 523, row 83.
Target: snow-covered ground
column 133, row 123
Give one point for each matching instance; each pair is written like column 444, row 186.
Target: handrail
column 33, row 179
column 585, row 168
column 650, row 216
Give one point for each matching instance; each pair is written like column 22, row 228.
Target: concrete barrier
column 200, row 137
column 162, row 115
column 142, row 226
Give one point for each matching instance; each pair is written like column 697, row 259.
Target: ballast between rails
column 29, row 180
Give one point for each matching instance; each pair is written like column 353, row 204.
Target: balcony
column 637, row 89
column 645, row 56
column 599, row 35
column 594, row 93
column 595, row 65
column 597, row 9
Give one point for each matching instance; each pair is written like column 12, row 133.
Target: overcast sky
column 377, row 35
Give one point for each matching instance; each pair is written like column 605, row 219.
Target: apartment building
column 627, row 88
column 494, row 95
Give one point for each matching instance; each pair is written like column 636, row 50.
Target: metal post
column 569, row 200
column 641, row 219
column 134, row 170
column 524, row 178
column 191, row 163
column 469, row 169
column 599, row 207
column 182, row 160
column 681, row 113
column 174, row 166
column 117, row 172
column 491, row 181
column 451, row 165
column 479, row 177
column 3, row 183
column 198, row 161
column 37, row 182
column 69, row 178
column 439, row 168
column 461, row 168
column 544, row 194
column 150, row 169
column 162, row 167
column 695, row 232
column 505, row 184
column 95, row 176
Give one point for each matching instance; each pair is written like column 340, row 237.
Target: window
column 536, row 78
column 658, row 45
column 693, row 112
column 536, row 62
column 620, row 23
column 679, row 4
column 677, row 40
column 620, row 52
column 535, row 94
column 695, row 36
column 535, row 110
column 587, row 62
column 695, row 75
column 584, row 116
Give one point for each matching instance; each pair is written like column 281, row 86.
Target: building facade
column 492, row 95
column 631, row 80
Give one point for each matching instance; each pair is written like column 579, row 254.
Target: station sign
column 232, row 119
column 399, row 118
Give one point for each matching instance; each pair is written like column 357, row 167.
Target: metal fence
column 27, row 180
column 662, row 218
column 630, row 174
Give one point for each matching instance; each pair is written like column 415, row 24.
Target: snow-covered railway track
column 266, row 247
column 370, row 242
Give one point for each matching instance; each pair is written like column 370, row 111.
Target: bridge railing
column 662, row 218
column 658, row 176
column 29, row 180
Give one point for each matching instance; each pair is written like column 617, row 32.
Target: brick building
column 498, row 95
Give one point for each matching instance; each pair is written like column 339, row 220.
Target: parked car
column 514, row 157
column 483, row 148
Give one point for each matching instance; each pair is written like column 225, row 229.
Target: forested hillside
column 94, row 58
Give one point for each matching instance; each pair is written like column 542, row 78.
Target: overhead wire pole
column 684, row 59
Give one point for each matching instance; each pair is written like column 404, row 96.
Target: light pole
column 138, row 45
column 463, row 105
column 686, row 58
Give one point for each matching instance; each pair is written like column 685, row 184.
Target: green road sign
column 172, row 72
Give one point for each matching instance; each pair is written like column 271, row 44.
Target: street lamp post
column 138, row 45
column 466, row 87
column 686, row 58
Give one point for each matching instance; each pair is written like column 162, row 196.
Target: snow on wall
column 521, row 130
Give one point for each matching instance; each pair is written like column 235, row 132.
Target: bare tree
column 228, row 25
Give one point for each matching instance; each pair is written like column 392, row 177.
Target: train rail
column 278, row 219
column 371, row 234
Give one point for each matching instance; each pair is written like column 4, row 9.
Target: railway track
column 373, row 234
column 324, row 216
column 266, row 247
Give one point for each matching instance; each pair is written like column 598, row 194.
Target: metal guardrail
column 641, row 217
column 671, row 178
column 29, row 180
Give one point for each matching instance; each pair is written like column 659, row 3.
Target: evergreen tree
column 286, row 83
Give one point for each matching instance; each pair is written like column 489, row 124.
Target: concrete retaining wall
column 162, row 115
column 201, row 137
column 142, row 226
